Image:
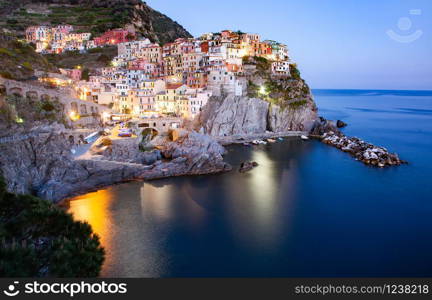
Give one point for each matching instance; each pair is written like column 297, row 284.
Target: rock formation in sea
column 328, row 132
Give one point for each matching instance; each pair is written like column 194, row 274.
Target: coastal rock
column 42, row 164
column 369, row 154
column 233, row 115
column 340, row 124
column 321, row 126
column 39, row 158
column 292, row 118
column 127, row 150
column 247, row 166
column 362, row 151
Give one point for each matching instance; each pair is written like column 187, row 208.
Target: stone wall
column 70, row 103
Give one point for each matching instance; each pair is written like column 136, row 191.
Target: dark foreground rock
column 365, row 152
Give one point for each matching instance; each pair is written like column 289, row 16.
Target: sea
column 307, row 210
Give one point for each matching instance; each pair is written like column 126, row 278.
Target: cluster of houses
column 63, row 38
column 177, row 79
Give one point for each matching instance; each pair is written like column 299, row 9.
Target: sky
column 340, row 44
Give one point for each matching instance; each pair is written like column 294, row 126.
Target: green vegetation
column 18, row 60
column 96, row 20
column 285, row 92
column 294, row 71
column 252, row 90
column 29, row 110
column 95, row 58
column 90, row 16
column 297, row 104
column 41, row 240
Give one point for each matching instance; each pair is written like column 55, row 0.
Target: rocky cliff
column 275, row 104
column 40, row 163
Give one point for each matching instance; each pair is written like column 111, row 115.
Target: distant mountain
column 96, row 16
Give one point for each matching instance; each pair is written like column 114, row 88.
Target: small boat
column 246, row 144
column 280, row 139
column 303, row 137
column 255, row 142
column 262, row 142
column 271, row 140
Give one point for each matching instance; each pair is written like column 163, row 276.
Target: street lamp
column 73, row 116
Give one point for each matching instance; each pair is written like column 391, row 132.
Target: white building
column 281, row 68
column 223, row 82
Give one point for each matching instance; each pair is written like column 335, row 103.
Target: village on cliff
column 172, row 82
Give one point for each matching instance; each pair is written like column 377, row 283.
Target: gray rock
column 43, row 166
column 231, row 115
column 340, row 124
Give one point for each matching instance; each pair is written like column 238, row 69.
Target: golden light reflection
column 94, row 208
column 159, row 202
column 264, row 186
column 268, row 190
column 156, row 202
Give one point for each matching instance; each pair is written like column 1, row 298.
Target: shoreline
column 144, row 171
column 247, row 138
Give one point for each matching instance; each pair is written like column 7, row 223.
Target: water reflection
column 95, row 209
column 236, row 214
column 306, row 210
column 163, row 203
column 268, row 194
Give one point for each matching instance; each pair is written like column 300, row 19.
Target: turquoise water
column 307, row 210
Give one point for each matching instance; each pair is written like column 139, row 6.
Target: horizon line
column 363, row 89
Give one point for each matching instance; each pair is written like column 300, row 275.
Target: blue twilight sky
column 336, row 43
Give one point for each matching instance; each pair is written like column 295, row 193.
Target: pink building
column 113, row 37
column 74, row 74
column 151, row 69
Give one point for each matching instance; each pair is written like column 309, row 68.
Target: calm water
column 307, row 210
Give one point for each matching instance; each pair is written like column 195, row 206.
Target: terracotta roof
column 173, row 86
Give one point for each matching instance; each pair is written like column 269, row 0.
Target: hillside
column 95, row 16
column 19, row 60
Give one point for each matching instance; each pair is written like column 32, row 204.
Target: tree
column 41, row 240
column 85, row 74
column 295, row 73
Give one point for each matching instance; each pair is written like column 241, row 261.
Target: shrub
column 6, row 52
column 295, row 73
column 95, row 50
column 41, row 240
column 297, row 104
column 85, row 74
column 27, row 65
column 12, row 21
